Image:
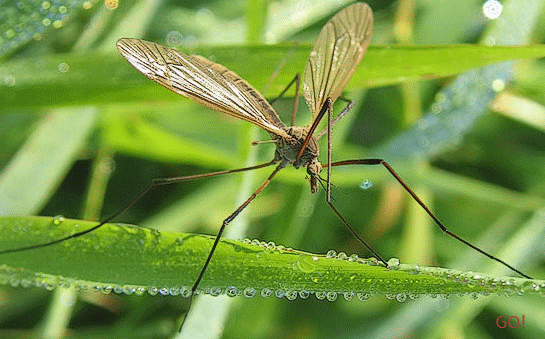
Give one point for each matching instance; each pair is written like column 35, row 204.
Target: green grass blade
column 132, row 260
column 28, row 21
column 38, row 81
column 36, row 170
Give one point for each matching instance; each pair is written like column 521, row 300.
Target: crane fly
column 339, row 49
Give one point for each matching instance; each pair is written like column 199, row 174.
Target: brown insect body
column 287, row 150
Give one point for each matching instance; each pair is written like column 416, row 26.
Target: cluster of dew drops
column 49, row 282
column 30, row 20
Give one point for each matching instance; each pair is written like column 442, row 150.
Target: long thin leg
column 220, row 232
column 319, row 117
column 329, row 109
column 417, row 199
column 297, row 81
column 279, row 68
column 346, row 109
column 325, row 108
column 154, row 183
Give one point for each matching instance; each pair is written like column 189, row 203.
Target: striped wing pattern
column 203, row 81
column 336, row 54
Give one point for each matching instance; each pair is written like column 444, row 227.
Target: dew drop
column 232, row 291
column 363, row 296
column 413, row 269
column 215, row 291
column 266, row 292
column 348, row 295
column 63, row 67
column 279, row 293
column 393, row 263
column 498, row 85
column 174, row 38
column 49, row 286
column 185, row 291
column 152, row 290
column 401, row 297
column 249, row 292
column 342, row 256
column 291, row 295
column 316, row 277
column 331, row 296
column 531, row 286
column 492, row 9
column 304, row 294
column 304, row 264
column 57, row 220
column 366, row 184
column 111, row 4
column 331, row 254
column 58, row 24
column 320, row 295
column 9, row 81
column 373, row 262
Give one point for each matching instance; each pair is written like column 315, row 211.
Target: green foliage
column 140, row 260
column 81, row 129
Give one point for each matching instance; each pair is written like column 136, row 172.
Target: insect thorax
column 287, row 149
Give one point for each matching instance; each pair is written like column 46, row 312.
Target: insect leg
column 220, row 232
column 328, row 107
column 154, row 183
column 328, row 104
column 428, row 211
column 297, row 81
column 346, row 109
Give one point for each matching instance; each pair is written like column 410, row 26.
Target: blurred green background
column 474, row 155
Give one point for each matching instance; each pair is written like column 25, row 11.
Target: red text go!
column 511, row 322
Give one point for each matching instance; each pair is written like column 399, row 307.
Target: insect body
column 334, row 58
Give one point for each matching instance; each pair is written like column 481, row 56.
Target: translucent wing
column 201, row 80
column 336, row 54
